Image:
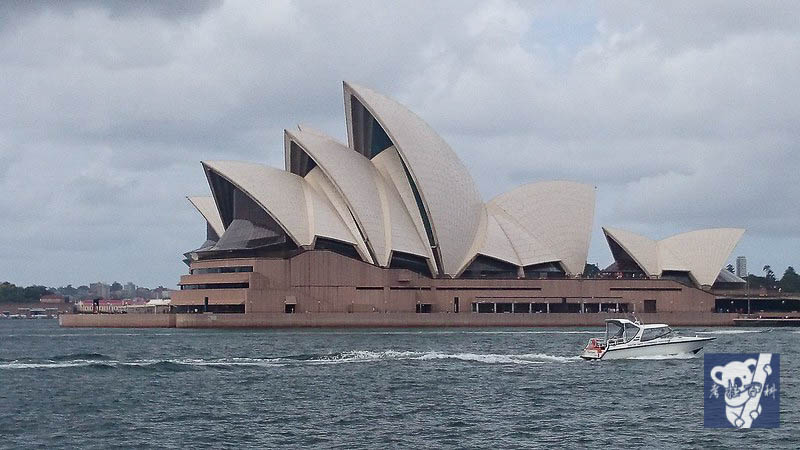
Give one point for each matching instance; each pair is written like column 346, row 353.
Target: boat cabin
column 622, row 331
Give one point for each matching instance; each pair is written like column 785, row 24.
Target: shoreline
column 382, row 320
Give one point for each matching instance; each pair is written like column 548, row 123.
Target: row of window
column 189, row 287
column 230, row 269
column 491, row 307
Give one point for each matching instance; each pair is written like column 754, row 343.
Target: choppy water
column 102, row 388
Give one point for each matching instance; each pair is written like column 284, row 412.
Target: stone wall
column 381, row 320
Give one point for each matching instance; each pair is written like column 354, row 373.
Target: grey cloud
column 119, row 9
column 683, row 115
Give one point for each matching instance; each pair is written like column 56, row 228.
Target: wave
column 356, row 356
column 664, row 357
column 393, row 355
column 81, row 357
column 731, row 331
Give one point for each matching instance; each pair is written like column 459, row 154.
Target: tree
column 756, row 282
column 116, row 287
column 10, row 293
column 769, row 275
column 729, row 268
column 790, row 281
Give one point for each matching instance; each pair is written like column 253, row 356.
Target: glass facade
column 369, row 137
column 486, row 267
column 229, row 269
column 299, row 161
column 189, row 287
column 544, row 270
column 414, row 263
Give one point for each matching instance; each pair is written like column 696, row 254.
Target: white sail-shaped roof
column 390, row 167
column 376, row 207
column 497, row 243
column 643, row 250
column 548, row 221
column 298, row 208
column 317, row 179
column 208, row 208
column 448, row 195
column 702, row 253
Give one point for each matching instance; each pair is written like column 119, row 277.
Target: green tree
column 116, row 287
column 769, row 276
column 790, row 281
column 10, row 293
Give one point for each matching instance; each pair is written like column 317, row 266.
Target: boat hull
column 686, row 346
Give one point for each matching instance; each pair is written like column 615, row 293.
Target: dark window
column 216, row 309
column 455, row 304
column 223, row 195
column 229, row 269
column 680, row 277
column 424, row 307
column 485, row 307
column 211, row 235
column 414, row 263
column 624, row 265
column 289, row 308
column 299, row 161
column 420, row 206
column 649, row 306
column 486, row 267
column 522, row 307
column 189, row 287
column 247, row 225
column 544, row 270
column 341, row 248
column 503, row 307
column 654, row 333
column 369, row 137
column 539, row 307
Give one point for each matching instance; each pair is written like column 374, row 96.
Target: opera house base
column 325, row 289
column 380, row 320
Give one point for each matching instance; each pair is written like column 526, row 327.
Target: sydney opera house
column 392, row 222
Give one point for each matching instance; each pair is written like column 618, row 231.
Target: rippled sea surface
column 101, row 388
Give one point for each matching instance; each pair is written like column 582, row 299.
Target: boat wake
column 664, row 357
column 356, row 356
column 730, row 331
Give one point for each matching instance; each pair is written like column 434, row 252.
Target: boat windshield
column 655, row 333
column 614, row 330
column 617, row 332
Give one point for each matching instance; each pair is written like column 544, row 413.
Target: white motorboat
column 627, row 339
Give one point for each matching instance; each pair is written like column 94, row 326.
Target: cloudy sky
column 683, row 114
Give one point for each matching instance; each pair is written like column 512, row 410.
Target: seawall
column 381, row 320
column 118, row 320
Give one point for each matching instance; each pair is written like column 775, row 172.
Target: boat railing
column 616, row 341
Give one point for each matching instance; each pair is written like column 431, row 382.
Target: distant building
column 51, row 298
column 100, row 289
column 129, row 290
column 102, row 306
column 741, row 266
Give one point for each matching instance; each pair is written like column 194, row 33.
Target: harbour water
column 432, row 388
